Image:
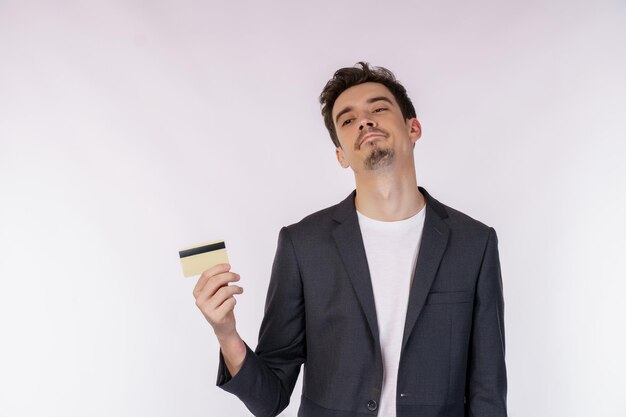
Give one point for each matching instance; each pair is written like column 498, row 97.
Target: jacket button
column 372, row 405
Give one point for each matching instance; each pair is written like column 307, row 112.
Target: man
column 392, row 300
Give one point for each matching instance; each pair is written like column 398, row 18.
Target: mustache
column 357, row 144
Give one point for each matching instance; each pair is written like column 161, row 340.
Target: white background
column 130, row 129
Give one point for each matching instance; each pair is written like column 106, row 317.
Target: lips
column 373, row 135
column 369, row 136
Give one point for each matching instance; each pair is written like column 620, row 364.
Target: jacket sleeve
column 268, row 375
column 486, row 378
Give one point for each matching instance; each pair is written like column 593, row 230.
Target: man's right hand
column 215, row 298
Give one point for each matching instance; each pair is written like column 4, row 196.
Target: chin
column 379, row 158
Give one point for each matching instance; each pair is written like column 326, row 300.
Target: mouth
column 370, row 136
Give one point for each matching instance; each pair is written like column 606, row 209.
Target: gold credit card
column 197, row 259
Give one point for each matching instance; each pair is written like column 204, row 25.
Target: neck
column 388, row 196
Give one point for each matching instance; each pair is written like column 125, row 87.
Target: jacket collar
column 349, row 241
column 347, row 207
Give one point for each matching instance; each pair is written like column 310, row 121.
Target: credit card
column 196, row 259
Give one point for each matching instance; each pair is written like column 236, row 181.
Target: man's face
column 371, row 129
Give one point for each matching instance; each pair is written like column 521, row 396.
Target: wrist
column 230, row 339
column 227, row 337
column 233, row 351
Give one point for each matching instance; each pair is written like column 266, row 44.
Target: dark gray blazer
column 320, row 311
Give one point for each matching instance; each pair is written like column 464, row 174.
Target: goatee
column 379, row 158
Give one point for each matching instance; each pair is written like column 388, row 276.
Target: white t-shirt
column 391, row 249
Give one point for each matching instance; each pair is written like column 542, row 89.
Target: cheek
column 344, row 139
column 348, row 133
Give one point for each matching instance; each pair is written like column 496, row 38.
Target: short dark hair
column 347, row 77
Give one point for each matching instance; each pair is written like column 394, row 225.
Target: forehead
column 358, row 95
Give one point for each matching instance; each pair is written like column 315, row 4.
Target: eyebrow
column 369, row 101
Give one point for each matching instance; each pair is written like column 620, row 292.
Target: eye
column 378, row 110
column 346, row 122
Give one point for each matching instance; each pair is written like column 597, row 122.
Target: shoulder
column 315, row 223
column 467, row 234
column 318, row 227
column 461, row 225
column 460, row 220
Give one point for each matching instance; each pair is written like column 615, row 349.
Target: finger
column 222, row 311
column 224, row 293
column 215, row 283
column 206, row 275
column 213, row 308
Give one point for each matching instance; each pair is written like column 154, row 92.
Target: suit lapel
column 349, row 241
column 433, row 244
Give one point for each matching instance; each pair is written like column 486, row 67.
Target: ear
column 415, row 130
column 341, row 157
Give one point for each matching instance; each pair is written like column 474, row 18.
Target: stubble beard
column 379, row 158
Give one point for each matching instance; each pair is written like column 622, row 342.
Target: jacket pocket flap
column 450, row 297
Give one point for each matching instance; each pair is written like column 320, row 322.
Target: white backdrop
column 130, row 129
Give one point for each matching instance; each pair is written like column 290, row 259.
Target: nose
column 366, row 122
